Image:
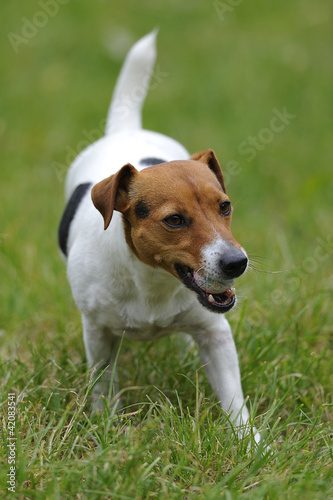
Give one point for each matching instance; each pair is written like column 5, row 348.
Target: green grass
column 222, row 80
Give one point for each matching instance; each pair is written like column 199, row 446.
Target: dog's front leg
column 101, row 350
column 219, row 357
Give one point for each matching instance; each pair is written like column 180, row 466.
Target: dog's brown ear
column 208, row 157
column 113, row 193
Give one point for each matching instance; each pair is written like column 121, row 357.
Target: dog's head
column 177, row 216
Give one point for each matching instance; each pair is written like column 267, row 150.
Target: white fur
column 117, row 293
column 212, row 253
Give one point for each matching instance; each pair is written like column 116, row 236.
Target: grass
column 223, row 77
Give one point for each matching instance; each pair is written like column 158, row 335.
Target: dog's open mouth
column 216, row 296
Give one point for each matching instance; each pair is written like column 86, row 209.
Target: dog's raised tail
column 132, row 86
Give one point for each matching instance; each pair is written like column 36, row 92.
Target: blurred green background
column 227, row 68
column 226, row 71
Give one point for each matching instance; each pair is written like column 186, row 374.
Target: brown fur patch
column 193, row 189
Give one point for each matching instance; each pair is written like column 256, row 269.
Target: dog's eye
column 225, row 208
column 175, row 220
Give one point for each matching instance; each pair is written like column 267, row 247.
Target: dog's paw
column 99, row 402
column 258, row 444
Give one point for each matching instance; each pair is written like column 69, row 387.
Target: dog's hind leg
column 101, row 350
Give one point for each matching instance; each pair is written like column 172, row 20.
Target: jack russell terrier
column 163, row 259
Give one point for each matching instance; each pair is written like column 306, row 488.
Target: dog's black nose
column 233, row 264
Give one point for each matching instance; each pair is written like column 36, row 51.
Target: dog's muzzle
column 215, row 293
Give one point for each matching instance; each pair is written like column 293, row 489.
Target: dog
column 147, row 240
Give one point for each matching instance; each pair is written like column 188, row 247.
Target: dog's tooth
column 189, row 275
column 231, row 292
column 211, row 298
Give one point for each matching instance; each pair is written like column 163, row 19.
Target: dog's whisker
column 265, row 271
column 254, row 260
column 256, row 257
column 257, row 260
column 199, row 269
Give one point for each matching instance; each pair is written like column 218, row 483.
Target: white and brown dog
column 165, row 260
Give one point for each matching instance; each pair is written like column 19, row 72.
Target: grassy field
column 253, row 81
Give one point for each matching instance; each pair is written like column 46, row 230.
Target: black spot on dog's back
column 149, row 162
column 69, row 214
column 141, row 209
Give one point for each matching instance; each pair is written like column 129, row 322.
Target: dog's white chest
column 146, row 313
column 125, row 295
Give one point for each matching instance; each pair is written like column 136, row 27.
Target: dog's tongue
column 211, row 285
